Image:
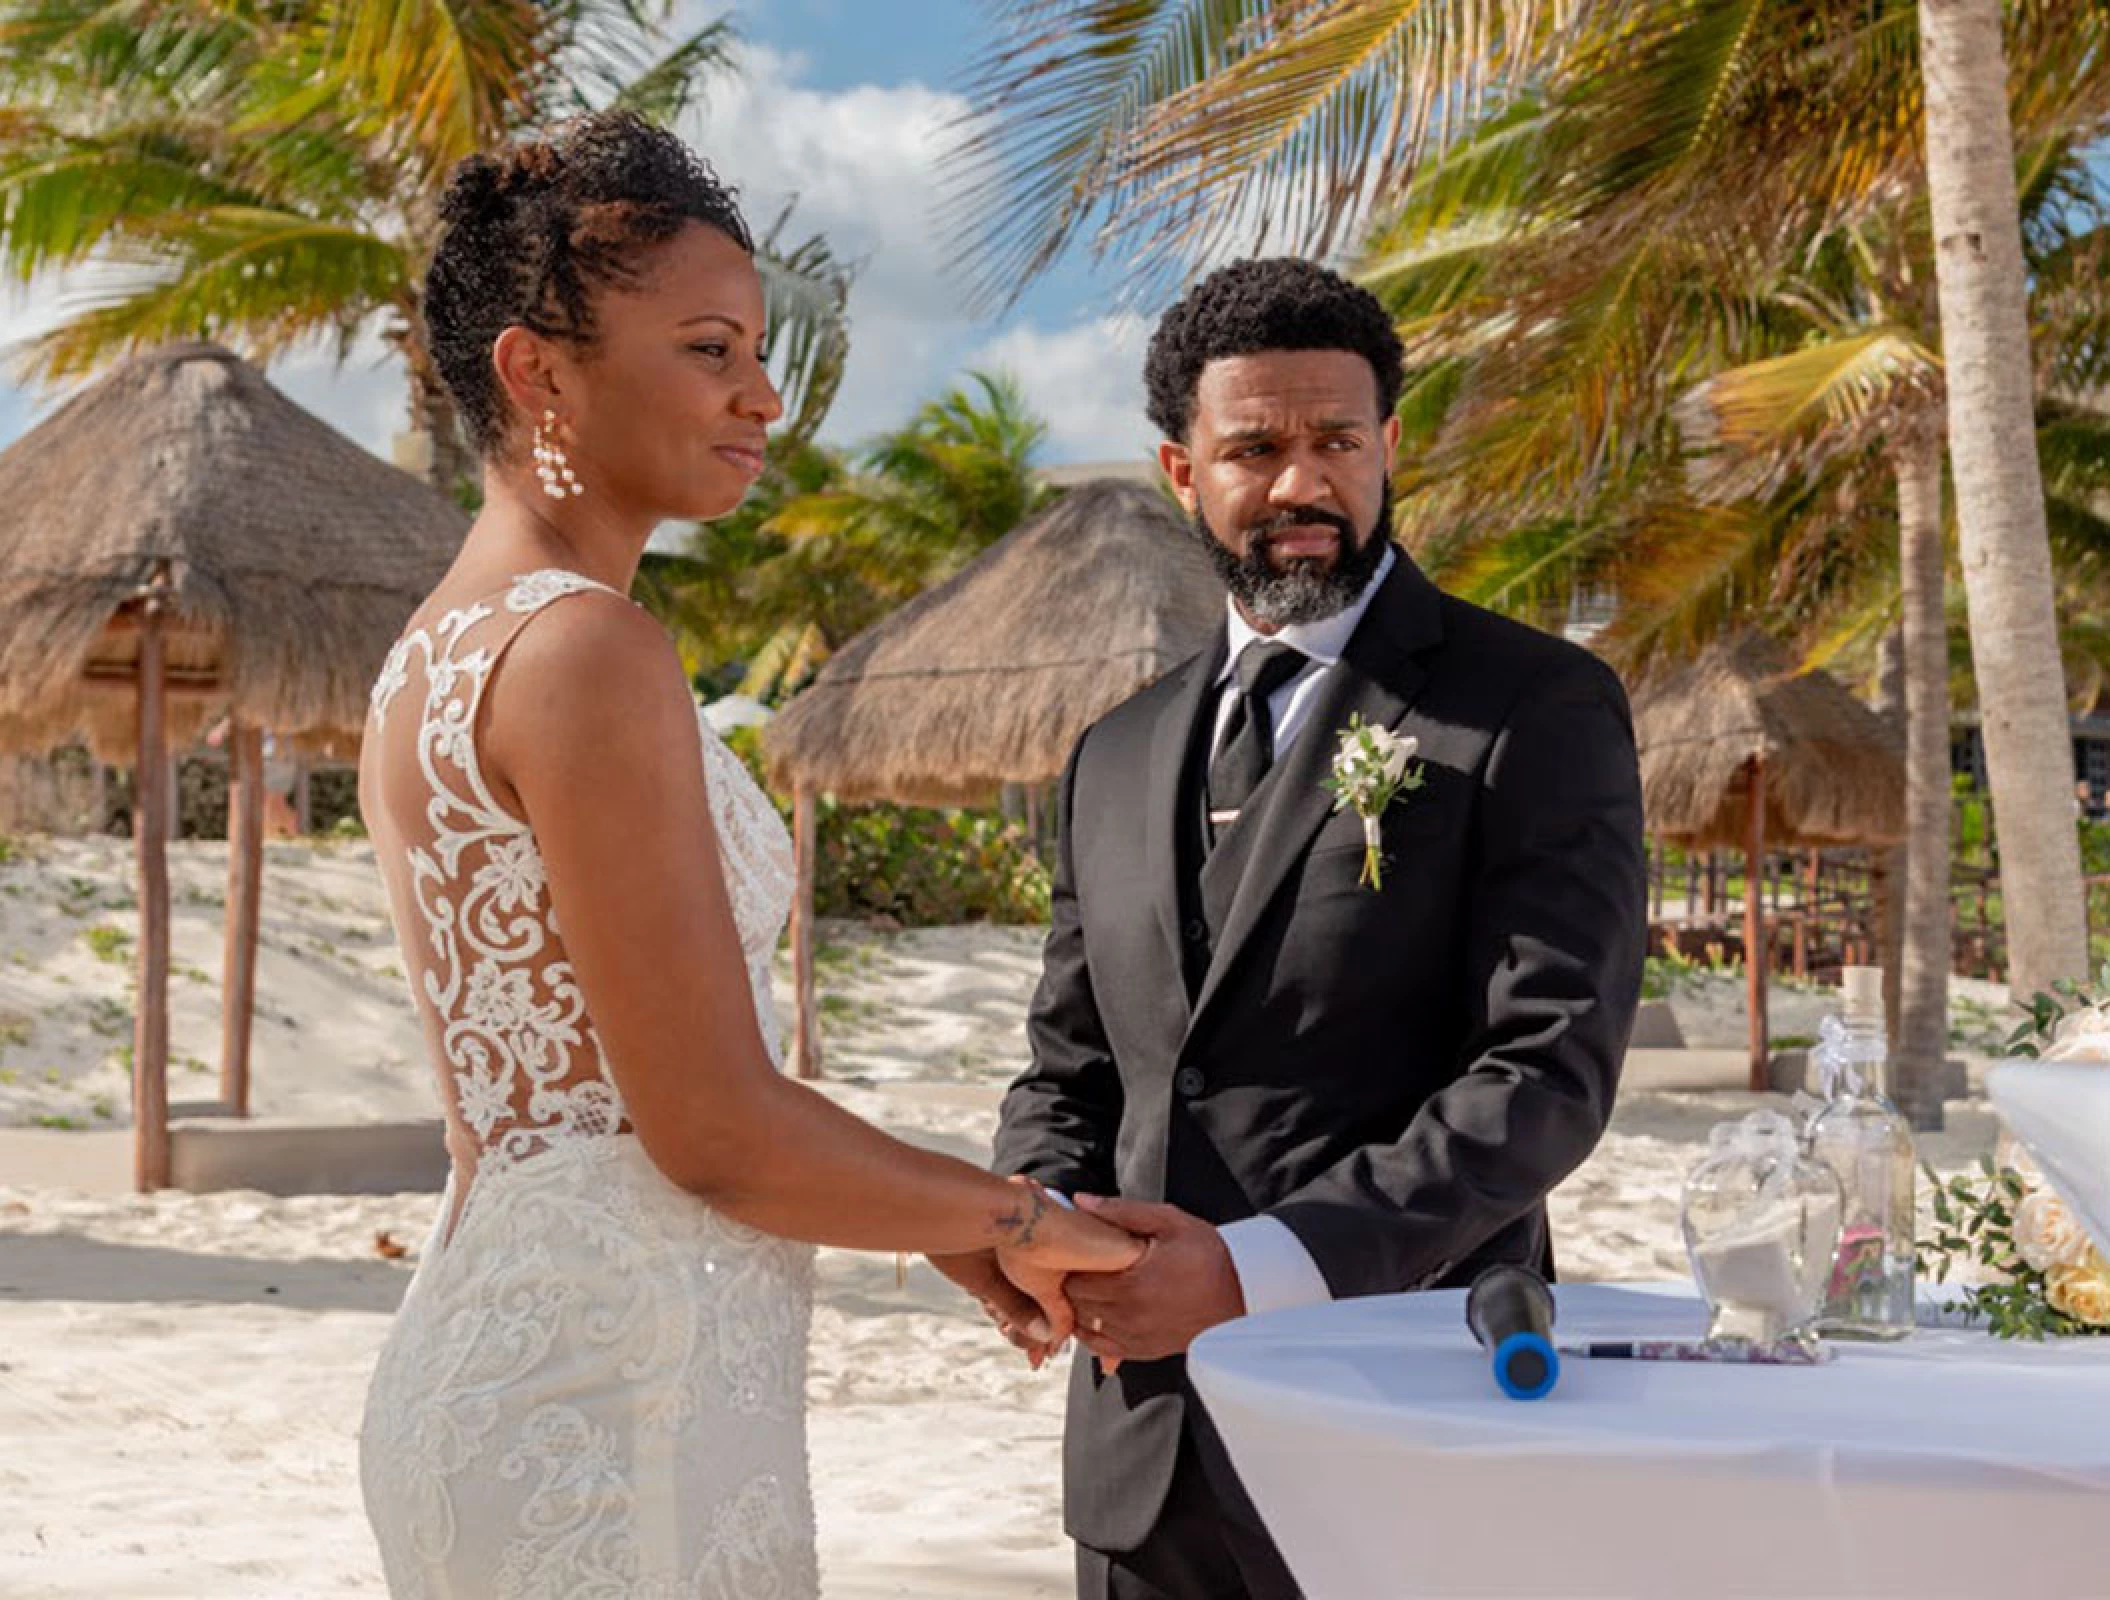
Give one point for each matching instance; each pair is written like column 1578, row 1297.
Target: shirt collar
column 1324, row 641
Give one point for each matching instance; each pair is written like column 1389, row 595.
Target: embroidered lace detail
column 596, row 1384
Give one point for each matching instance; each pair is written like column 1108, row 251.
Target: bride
column 595, row 1384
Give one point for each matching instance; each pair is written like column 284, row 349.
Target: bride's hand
column 1050, row 1242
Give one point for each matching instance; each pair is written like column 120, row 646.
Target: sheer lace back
column 595, row 1383
column 521, row 1063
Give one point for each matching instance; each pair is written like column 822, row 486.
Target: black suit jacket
column 1398, row 1075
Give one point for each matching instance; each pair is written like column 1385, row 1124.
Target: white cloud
column 864, row 168
column 1086, row 380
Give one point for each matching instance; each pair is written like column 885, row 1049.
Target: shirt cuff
column 1274, row 1269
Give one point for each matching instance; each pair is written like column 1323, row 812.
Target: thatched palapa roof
column 1834, row 770
column 294, row 557
column 991, row 676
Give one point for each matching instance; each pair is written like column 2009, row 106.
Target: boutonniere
column 1370, row 771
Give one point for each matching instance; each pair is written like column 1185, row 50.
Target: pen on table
column 1782, row 1353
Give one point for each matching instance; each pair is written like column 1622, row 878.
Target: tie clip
column 1219, row 818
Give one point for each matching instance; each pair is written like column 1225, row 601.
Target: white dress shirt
column 1274, row 1269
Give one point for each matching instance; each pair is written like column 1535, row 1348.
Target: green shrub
column 923, row 867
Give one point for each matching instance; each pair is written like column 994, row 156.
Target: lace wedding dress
column 595, row 1386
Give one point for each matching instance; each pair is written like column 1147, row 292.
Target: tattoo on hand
column 1021, row 1220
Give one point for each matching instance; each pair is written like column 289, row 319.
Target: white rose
column 2081, row 1036
column 2045, row 1233
column 2082, row 1292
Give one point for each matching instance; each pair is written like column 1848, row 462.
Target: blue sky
column 844, row 106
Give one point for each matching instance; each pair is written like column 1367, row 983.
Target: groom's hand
column 1185, row 1283
column 1009, row 1307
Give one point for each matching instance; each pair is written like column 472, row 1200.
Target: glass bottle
column 1761, row 1222
column 1863, row 1138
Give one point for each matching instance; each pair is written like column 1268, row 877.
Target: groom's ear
column 1177, row 463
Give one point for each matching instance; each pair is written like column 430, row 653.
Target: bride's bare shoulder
column 594, row 674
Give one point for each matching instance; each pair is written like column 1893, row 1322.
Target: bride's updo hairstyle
column 531, row 234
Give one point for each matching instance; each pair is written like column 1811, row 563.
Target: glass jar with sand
column 1761, row 1221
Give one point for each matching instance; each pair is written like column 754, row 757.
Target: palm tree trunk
column 1886, row 864
column 1999, row 489
column 1922, row 1040
column 452, row 465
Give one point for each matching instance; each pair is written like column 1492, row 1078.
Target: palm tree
column 828, row 544
column 271, row 175
column 1803, row 442
column 2000, row 493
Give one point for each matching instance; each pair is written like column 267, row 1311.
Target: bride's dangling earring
column 551, row 465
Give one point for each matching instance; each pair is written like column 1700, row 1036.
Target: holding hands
column 1142, row 1287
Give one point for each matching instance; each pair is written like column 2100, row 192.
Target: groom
column 1300, row 1085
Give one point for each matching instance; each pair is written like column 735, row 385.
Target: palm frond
column 1055, row 104
column 666, row 88
column 263, row 280
column 1836, row 384
column 806, row 289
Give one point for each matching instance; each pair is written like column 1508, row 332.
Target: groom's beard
column 1302, row 590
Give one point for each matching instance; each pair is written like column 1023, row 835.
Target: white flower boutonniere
column 1370, row 771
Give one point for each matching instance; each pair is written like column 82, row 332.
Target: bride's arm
column 592, row 730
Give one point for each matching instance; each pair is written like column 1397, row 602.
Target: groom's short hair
column 1251, row 306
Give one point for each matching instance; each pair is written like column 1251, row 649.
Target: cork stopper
column 1861, row 988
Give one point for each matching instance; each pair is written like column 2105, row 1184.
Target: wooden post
column 245, row 871
column 805, row 1028
column 1755, row 923
column 150, row 1025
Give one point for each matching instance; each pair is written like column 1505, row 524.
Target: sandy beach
column 181, row 1375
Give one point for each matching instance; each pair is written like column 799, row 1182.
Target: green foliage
column 1973, row 820
column 829, row 543
column 1974, row 1222
column 113, row 945
column 926, row 868
column 2045, row 1011
column 920, row 866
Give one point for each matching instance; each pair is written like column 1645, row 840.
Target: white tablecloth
column 1372, row 1437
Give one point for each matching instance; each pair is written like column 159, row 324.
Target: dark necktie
column 1248, row 746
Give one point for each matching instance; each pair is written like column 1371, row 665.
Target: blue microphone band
column 1526, row 1365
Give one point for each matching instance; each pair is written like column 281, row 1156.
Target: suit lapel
column 1378, row 678
column 1169, row 747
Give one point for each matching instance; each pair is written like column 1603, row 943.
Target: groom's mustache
column 1262, row 534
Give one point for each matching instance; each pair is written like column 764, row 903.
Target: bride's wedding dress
column 595, row 1385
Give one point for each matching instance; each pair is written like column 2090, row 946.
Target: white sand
column 181, row 1375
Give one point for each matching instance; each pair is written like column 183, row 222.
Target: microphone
column 1510, row 1311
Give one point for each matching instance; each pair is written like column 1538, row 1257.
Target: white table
column 1371, row 1436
